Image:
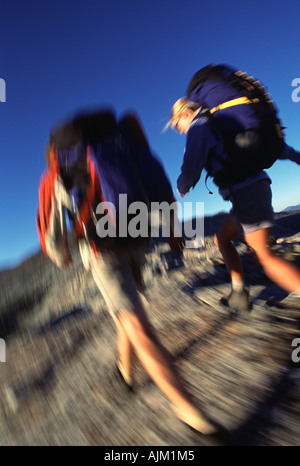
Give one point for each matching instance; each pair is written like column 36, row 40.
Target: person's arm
column 289, row 153
column 200, row 140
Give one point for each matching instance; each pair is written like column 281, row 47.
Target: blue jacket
column 205, row 150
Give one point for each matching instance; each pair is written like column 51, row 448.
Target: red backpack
column 93, row 159
column 55, row 203
column 51, row 222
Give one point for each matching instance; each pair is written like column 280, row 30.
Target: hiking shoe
column 238, row 301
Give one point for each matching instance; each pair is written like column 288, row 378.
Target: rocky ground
column 57, row 385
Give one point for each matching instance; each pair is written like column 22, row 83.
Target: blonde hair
column 181, row 105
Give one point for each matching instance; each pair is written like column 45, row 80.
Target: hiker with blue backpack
column 92, row 158
column 233, row 132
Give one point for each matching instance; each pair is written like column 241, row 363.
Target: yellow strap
column 232, row 103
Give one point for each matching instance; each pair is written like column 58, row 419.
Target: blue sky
column 57, row 56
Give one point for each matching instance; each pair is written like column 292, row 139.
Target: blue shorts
column 252, row 206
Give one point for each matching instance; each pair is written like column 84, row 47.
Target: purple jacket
column 205, row 150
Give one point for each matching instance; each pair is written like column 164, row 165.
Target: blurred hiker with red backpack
column 233, row 132
column 92, row 159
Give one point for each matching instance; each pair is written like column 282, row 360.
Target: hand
column 182, row 195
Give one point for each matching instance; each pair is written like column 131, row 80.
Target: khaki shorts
column 118, row 275
column 252, row 206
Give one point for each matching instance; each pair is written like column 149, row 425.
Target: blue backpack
column 243, row 115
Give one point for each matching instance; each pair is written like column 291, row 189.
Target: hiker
column 209, row 115
column 116, row 263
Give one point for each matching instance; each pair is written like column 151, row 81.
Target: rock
column 56, row 384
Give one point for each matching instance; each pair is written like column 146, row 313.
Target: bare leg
column 113, row 275
column 158, row 364
column 125, row 354
column 280, row 271
column 228, row 232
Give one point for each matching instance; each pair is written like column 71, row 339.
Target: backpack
column 96, row 160
column 51, row 221
column 243, row 116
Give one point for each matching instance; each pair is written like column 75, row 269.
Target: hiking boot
column 238, row 301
